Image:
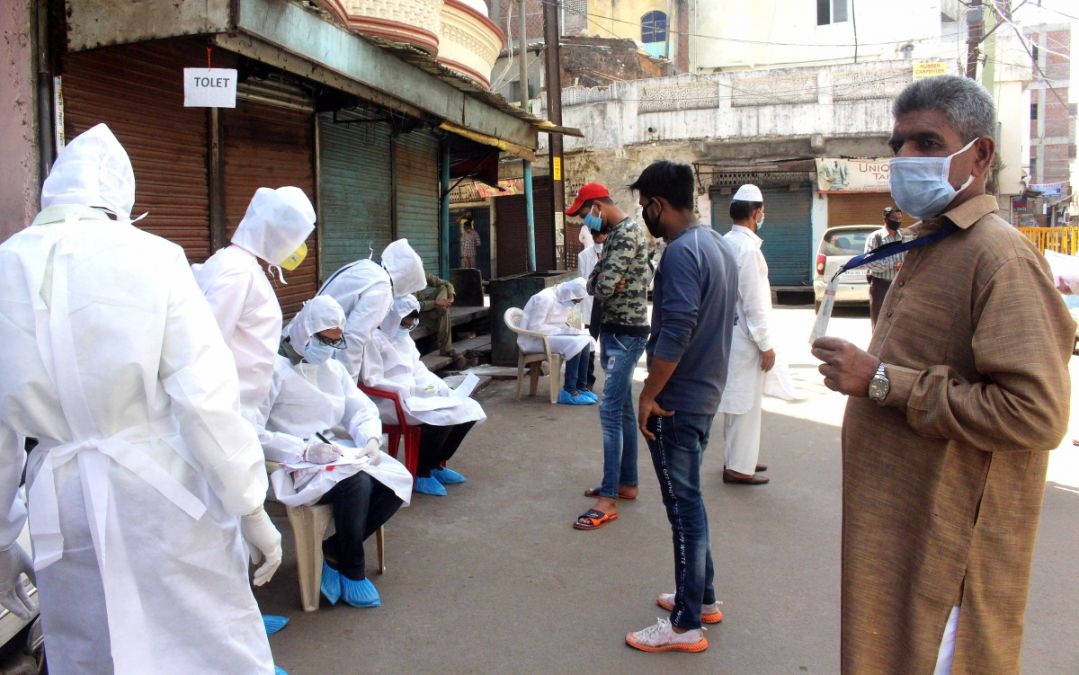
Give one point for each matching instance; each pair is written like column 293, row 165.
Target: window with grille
column 654, row 27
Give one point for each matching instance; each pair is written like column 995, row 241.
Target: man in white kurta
column 752, row 355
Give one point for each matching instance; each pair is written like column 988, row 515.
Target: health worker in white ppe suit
column 146, row 480
column 326, row 434
column 365, row 290
column 547, row 312
column 392, row 363
column 274, row 229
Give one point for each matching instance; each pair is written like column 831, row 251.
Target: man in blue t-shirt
column 694, row 300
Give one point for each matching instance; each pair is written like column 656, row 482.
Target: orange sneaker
column 709, row 613
column 661, row 637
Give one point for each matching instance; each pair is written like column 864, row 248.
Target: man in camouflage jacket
column 620, row 281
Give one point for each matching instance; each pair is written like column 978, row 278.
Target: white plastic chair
column 311, row 525
column 534, row 362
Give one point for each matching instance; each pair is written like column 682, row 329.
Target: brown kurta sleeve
column 1021, row 345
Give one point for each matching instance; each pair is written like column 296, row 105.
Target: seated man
column 547, row 312
column 315, row 415
column 435, row 303
column 392, row 362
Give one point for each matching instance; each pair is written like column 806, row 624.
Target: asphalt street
column 493, row 579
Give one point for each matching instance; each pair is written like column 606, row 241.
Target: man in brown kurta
column 943, row 477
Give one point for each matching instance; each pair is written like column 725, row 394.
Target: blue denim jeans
column 577, row 371
column 617, row 416
column 676, row 456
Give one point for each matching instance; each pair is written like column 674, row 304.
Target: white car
column 838, row 245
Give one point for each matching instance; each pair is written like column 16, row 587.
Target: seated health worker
column 319, row 424
column 547, row 312
column 392, row 362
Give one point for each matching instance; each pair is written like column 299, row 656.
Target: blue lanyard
column 897, row 247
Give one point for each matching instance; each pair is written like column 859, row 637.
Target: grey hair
column 966, row 103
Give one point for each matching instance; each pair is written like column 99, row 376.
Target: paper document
column 467, row 386
column 344, row 461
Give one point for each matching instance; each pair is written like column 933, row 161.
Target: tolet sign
column 209, row 87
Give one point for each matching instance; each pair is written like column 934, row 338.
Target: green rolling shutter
column 787, row 232
column 416, row 174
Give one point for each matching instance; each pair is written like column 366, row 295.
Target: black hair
column 741, row 210
column 587, row 206
column 670, row 180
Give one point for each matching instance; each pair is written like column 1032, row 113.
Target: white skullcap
column 404, row 267
column 92, row 170
column 748, row 193
column 318, row 314
column 276, row 223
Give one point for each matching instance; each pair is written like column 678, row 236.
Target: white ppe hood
column 404, row 267
column 92, row 170
column 276, row 223
column 401, row 308
column 318, row 314
column 574, row 289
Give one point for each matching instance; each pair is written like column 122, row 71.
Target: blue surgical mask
column 593, row 222
column 760, row 223
column 920, row 185
column 316, row 352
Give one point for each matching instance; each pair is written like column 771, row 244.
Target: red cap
column 588, row 192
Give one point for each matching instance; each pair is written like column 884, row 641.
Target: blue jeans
column 676, row 455
column 577, row 371
column 617, row 417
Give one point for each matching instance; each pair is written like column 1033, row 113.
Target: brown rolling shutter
column 860, row 208
column 512, row 228
column 138, row 91
column 267, row 146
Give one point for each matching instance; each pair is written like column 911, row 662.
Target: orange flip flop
column 593, row 520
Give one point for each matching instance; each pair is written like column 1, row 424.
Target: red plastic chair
column 411, row 433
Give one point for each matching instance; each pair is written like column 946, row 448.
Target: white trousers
column 947, row 645
column 742, row 439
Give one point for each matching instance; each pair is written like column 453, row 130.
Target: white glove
column 13, row 595
column 424, row 390
column 264, row 542
column 318, row 452
column 371, row 451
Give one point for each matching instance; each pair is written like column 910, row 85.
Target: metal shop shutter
column 415, row 173
column 861, row 208
column 138, row 91
column 787, row 233
column 355, row 193
column 512, row 229
column 271, row 147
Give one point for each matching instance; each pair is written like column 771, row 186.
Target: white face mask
column 920, row 185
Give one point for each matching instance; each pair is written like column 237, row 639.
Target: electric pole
column 975, row 34
column 553, row 67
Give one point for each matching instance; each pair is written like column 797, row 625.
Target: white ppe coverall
column 393, row 363
column 113, row 362
column 307, row 399
column 247, row 311
column 586, row 262
column 547, row 312
column 742, row 393
column 365, row 290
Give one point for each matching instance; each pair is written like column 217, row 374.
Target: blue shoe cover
column 566, row 398
column 591, row 396
column 274, row 623
column 360, row 593
column 278, row 670
column 428, row 485
column 448, row 476
column 331, row 583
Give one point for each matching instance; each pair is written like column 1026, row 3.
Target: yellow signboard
column 556, row 168
column 924, row 69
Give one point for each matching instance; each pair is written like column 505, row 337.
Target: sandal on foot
column 593, row 519
column 594, row 494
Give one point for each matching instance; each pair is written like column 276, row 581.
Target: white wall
column 784, row 32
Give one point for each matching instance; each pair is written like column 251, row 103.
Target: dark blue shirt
column 694, row 300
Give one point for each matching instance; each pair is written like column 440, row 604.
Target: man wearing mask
column 366, row 289
column 951, row 414
column 145, row 482
column 752, row 354
column 881, row 272
column 694, row 302
column 620, row 281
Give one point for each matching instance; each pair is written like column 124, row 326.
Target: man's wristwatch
column 879, row 385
